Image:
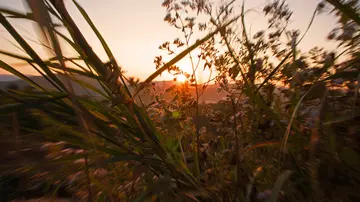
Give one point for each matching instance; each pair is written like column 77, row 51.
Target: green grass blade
column 282, row 179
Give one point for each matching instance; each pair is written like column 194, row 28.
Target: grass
column 115, row 150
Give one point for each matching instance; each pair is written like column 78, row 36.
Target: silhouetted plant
column 287, row 130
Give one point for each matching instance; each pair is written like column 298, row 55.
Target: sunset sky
column 134, row 29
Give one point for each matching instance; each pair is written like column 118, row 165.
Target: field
column 273, row 123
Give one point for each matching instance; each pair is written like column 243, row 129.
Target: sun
column 181, row 78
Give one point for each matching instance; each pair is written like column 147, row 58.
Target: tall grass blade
column 13, row 71
column 249, row 188
column 282, row 179
column 15, row 14
column 180, row 56
column 96, row 31
column 16, row 56
column 273, row 72
column 288, row 129
column 58, row 84
column 91, row 57
column 346, row 10
column 356, row 94
column 102, row 41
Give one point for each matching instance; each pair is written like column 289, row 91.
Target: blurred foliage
column 288, row 129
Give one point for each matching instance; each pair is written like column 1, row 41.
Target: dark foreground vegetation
column 288, row 129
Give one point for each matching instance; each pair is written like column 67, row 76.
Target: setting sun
column 181, row 78
column 179, row 100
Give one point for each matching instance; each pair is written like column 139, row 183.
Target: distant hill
column 209, row 96
column 78, row 89
column 7, row 77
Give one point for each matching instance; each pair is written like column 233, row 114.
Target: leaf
column 272, row 73
column 10, row 69
column 222, row 142
column 81, row 44
column 282, row 179
column 176, row 114
column 189, row 195
column 66, row 159
column 96, row 31
column 252, row 181
column 13, row 107
column 262, row 144
column 13, row 55
column 234, row 72
column 309, row 25
column 15, row 14
column 342, row 119
column 41, row 16
column 346, row 10
column 288, row 129
column 99, row 115
column 125, row 157
column 87, row 85
column 27, row 48
column 102, row 41
column 57, row 69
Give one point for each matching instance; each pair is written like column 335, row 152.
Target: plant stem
column 237, row 148
column 88, row 181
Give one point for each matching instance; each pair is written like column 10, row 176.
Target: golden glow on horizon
column 181, row 78
column 202, row 75
column 129, row 42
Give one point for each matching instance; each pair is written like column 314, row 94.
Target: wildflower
column 79, row 161
column 100, row 172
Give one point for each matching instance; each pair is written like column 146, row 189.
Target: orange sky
column 134, row 29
